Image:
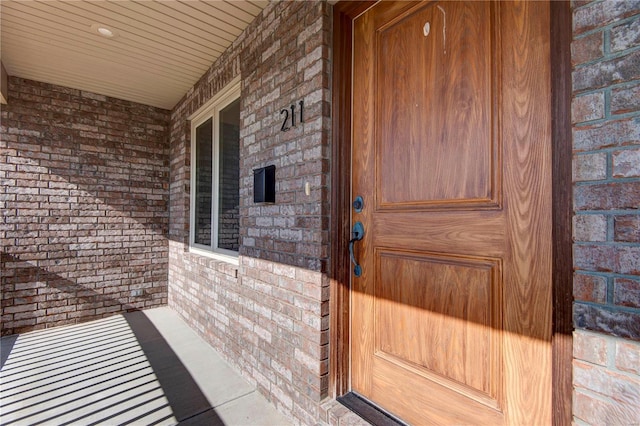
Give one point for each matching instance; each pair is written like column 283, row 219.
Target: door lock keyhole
column 358, row 204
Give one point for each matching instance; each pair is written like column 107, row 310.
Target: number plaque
column 289, row 120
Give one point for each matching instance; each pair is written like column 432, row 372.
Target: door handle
column 357, row 235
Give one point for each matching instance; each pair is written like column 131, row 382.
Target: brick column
column 606, row 227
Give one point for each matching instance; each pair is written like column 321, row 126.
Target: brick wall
column 606, row 174
column 269, row 315
column 606, row 378
column 84, row 206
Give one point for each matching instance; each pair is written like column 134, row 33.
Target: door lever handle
column 357, row 235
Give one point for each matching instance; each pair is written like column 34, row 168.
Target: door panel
column 451, row 317
column 433, row 105
column 441, row 317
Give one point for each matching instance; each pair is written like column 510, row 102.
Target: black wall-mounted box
column 264, row 185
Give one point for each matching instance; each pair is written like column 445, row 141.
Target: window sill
column 222, row 263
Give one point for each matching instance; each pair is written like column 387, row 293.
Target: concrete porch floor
column 142, row 368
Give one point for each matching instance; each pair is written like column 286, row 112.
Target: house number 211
column 290, row 118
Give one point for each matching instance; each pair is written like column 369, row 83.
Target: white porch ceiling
column 161, row 47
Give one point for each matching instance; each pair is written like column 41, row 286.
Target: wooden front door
column 451, row 315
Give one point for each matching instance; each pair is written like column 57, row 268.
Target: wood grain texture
column 363, row 167
column 562, row 343
column 340, row 270
column 526, row 101
column 434, row 107
column 404, row 374
column 441, row 316
column 340, row 194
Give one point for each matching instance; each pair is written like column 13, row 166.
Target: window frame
column 211, row 109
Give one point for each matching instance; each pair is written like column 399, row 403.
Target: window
column 215, row 176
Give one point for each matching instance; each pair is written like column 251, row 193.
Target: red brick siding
column 606, row 174
column 84, row 206
column 269, row 315
column 606, row 166
column 606, row 374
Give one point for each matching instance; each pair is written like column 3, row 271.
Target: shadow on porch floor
column 138, row 368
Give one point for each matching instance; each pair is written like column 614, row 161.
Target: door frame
column 344, row 13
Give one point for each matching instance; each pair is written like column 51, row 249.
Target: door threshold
column 369, row 411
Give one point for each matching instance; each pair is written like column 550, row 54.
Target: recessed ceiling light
column 104, row 31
